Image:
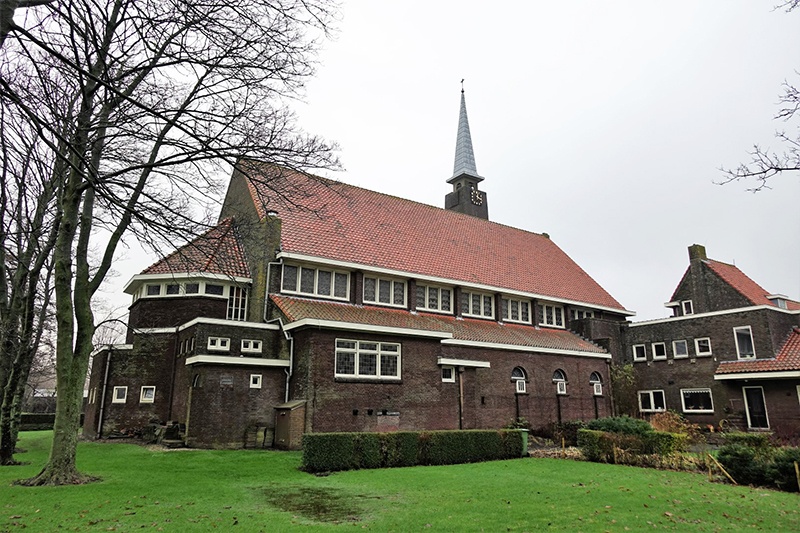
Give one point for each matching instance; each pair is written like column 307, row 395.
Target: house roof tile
column 748, row 288
column 467, row 329
column 788, row 359
column 335, row 221
column 217, row 251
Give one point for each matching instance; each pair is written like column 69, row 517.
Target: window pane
column 153, row 290
column 433, row 298
column 644, row 400
column 389, row 347
column 367, row 364
column 192, row 288
column 681, row 349
column 703, row 346
column 697, row 400
column 744, row 341
column 503, row 308
column 465, row 299
column 349, row 345
column 514, row 309
column 524, row 311
column 368, row 346
column 340, row 285
column 307, row 276
column 559, row 312
column 369, row 289
column 488, row 306
column 476, row 304
column 173, row 289
column 388, row 365
column 324, row 282
column 548, row 314
column 420, row 297
column 385, row 291
column 399, row 292
column 214, row 289
column 289, row 278
column 658, row 400
column 345, row 363
column 445, row 293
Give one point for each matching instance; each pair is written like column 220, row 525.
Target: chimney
column 697, row 252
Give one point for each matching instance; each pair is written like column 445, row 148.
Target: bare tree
column 764, row 163
column 159, row 94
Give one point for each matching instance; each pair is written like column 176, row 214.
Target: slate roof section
column 788, row 359
column 744, row 285
column 217, row 251
column 339, row 222
column 465, row 157
column 467, row 329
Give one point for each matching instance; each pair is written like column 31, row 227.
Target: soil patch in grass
column 320, row 504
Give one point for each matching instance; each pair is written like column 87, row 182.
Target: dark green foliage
column 746, row 464
column 663, row 443
column 781, row 472
column 568, row 431
column 345, row 451
column 594, row 447
column 752, row 440
column 620, row 424
column 605, row 447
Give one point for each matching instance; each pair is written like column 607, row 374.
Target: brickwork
column 166, row 312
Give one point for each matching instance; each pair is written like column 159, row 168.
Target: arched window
column 560, row 379
column 519, row 377
column 595, row 378
column 596, row 381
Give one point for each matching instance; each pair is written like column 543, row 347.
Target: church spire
column 465, row 197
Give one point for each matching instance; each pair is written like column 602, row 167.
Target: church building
column 317, row 306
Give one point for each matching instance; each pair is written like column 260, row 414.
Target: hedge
column 620, row 424
column 327, row 452
column 761, row 465
column 752, row 440
column 605, row 447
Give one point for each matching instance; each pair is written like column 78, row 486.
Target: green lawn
column 264, row 491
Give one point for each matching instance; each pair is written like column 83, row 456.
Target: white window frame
column 561, row 383
column 697, row 347
column 697, row 411
column 643, row 351
column 315, row 291
column 506, row 305
column 452, row 378
column 557, row 314
column 597, row 389
column 577, row 314
column 520, row 387
column 219, row 344
column 238, row 299
column 427, row 290
column 147, row 398
column 747, row 405
column 651, row 394
column 687, row 304
column 653, row 351
column 358, row 350
column 252, row 346
column 116, row 399
column 255, row 381
column 223, row 294
column 798, row 393
column 391, row 282
column 468, row 295
column 675, row 354
column 736, row 331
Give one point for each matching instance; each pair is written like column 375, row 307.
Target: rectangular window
column 702, row 346
column 516, row 310
column 651, row 401
column 220, row 344
column 577, row 314
column 215, row 289
column 237, row 304
column 317, row 282
column 153, row 290
column 192, row 288
column 477, row 304
column 255, row 381
column 367, row 359
column 744, row 342
column 639, row 352
column 148, row 395
column 433, row 298
column 697, row 401
column 551, row 315
column 173, row 289
column 120, row 395
column 448, row 374
column 520, row 387
column 384, row 291
column 251, row 346
column 680, row 349
column 688, row 309
column 659, row 351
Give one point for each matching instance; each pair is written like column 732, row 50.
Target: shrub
column 400, row 448
column 751, row 440
column 781, row 472
column 328, row 452
column 568, row 431
column 673, row 422
column 745, row 464
column 620, row 424
column 664, row 443
column 593, row 446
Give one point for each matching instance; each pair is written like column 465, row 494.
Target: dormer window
column 433, row 298
column 316, row 282
column 778, row 300
column 577, row 314
column 384, row 291
column 687, row 307
column 477, row 304
column 515, row 310
column 551, row 315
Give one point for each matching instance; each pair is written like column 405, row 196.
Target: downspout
column 99, row 431
column 287, row 371
column 461, row 397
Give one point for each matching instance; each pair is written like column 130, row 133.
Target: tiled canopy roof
column 744, row 285
column 328, row 219
column 788, row 359
column 475, row 330
column 217, row 251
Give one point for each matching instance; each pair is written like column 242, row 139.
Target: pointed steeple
column 465, row 157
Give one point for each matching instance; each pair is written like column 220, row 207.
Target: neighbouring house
column 316, row 306
column 730, row 352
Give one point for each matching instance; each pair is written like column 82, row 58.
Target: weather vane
column 462, row 85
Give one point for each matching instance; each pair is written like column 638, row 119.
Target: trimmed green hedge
column 620, row 424
column 327, row 452
column 760, row 465
column 599, row 446
column 753, row 440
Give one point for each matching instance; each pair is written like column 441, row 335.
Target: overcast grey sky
column 602, row 123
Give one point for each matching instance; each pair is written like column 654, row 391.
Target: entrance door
column 756, row 408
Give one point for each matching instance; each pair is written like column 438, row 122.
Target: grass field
column 264, row 491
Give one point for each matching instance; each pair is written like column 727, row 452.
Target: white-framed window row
column 255, row 381
column 697, row 401
column 596, row 381
column 367, row 359
column 119, row 395
column 560, row 379
column 520, row 379
column 680, row 349
column 515, row 310
column 384, row 291
column 687, row 307
column 639, row 353
column 652, row 401
column 448, row 374
column 147, row 394
column 577, row 314
column 702, row 347
column 659, row 350
column 237, row 303
column 219, row 344
column 477, row 304
column 315, row 281
column 160, row 289
column 251, row 346
column 551, row 315
column 743, row 336
column 433, row 298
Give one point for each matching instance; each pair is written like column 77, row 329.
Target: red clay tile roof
column 788, row 359
column 217, row 251
column 350, row 224
column 468, row 329
column 744, row 285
